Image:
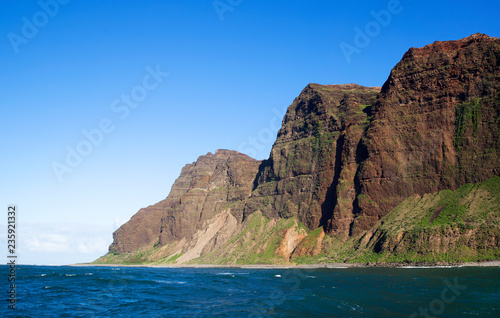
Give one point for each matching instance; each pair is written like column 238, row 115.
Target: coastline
column 494, row 263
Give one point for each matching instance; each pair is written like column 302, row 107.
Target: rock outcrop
column 344, row 158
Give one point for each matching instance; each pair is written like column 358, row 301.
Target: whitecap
column 70, row 275
column 277, row 276
column 437, row 266
column 169, row 282
column 43, row 275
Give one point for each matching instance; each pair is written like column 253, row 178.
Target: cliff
column 435, row 126
column 347, row 162
column 212, row 189
column 310, row 172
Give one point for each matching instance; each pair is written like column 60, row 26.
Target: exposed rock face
column 212, row 184
column 345, row 156
column 291, row 238
column 312, row 165
column 143, row 229
column 312, row 245
column 435, row 126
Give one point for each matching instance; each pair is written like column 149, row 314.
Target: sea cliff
column 408, row 172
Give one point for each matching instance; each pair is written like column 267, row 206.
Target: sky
column 104, row 102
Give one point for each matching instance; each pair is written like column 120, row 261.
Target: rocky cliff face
column 435, row 126
column 311, row 169
column 211, row 185
column 345, row 156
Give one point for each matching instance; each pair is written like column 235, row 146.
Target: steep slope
column 435, row 126
column 310, row 172
column 259, row 240
column 461, row 224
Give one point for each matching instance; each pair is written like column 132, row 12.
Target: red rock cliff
column 435, row 126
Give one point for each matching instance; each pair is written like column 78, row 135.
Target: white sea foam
column 441, row 266
column 169, row 282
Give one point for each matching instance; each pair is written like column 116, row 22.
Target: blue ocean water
column 53, row 291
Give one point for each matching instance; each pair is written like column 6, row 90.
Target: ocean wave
column 169, row 282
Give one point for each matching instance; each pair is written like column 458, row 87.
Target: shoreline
column 494, row 263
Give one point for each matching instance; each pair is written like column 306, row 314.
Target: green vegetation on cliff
column 451, row 226
column 468, row 114
column 261, row 242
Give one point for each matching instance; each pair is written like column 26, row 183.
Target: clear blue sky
column 232, row 70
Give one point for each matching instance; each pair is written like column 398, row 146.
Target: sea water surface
column 63, row 291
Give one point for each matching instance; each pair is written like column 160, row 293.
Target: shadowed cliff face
column 435, row 126
column 345, row 156
column 311, row 168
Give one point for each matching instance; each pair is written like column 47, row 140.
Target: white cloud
column 60, row 244
column 47, row 242
column 94, row 245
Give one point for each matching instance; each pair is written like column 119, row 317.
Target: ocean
column 64, row 291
